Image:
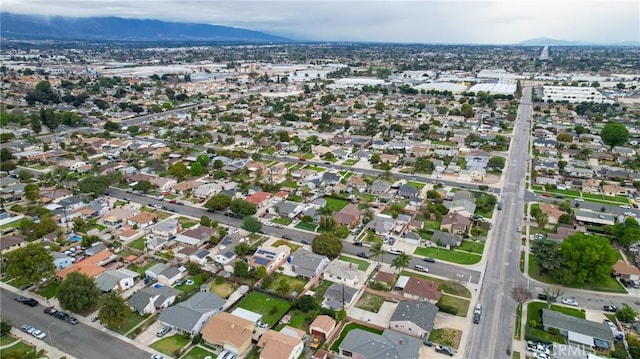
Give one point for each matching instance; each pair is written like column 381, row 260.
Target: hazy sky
column 453, row 21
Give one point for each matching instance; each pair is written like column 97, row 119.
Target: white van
column 421, row 268
column 394, row 251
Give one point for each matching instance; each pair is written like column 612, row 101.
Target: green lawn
column 460, row 304
column 298, row 319
column 295, row 198
column 314, row 168
column 132, row 321
column 309, row 156
column 473, row 247
column 199, row 353
column 295, row 284
column 446, row 286
column 418, row 185
column 169, row 345
column 534, row 311
column 347, row 328
column 321, row 288
column 336, row 204
column 271, row 308
column 21, row 347
column 289, row 184
column 362, row 264
column 448, row 255
column 197, row 281
column 608, row 285
column 432, row 225
column 350, row 162
column 368, row 197
column 285, row 221
column 140, row 269
column 294, row 247
column 50, row 290
column 370, row 302
column 446, row 336
column 6, row 340
column 138, row 244
column 307, row 226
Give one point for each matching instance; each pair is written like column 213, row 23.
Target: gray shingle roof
column 336, row 293
column 562, row 321
column 140, row 299
column 389, row 345
column 421, row 313
column 185, row 315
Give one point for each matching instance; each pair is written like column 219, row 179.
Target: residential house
column 330, row 178
column 288, row 209
column 61, row 260
column 9, row 243
column 118, row 280
column 408, row 191
column 339, row 296
column 167, row 228
column 308, row 265
column 389, row 158
column 196, row 236
column 464, row 207
column 164, row 184
column 91, row 266
column 201, row 257
column 455, row 223
column 379, row 186
column 142, row 220
column 269, row 257
column 191, row 315
column 229, row 332
column 578, row 331
column 260, row 198
column 349, row 216
column 390, row 344
column 626, row 271
column 118, row 216
column 613, row 190
column 414, row 318
column 419, row 289
column 165, row 274
column 185, row 187
column 341, row 272
column 382, row 224
column 322, row 326
column 595, row 218
column 277, row 345
column 357, row 182
column 445, row 239
column 206, row 191
column 150, row 299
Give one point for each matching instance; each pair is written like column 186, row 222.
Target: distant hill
column 543, row 41
column 32, row 27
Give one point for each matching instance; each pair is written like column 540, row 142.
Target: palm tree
column 326, row 213
column 305, row 191
column 401, row 261
column 376, row 251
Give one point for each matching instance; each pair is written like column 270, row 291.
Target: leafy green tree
column 240, row 269
column 205, row 221
column 78, row 293
column 5, row 155
column 203, row 160
column 588, row 259
column 327, row 244
column 242, row 207
column 79, row 225
column 218, row 202
column 376, row 251
column 114, row 311
column 111, row 126
column 580, row 130
column 496, row 163
column 144, row 186
column 91, row 184
column 283, row 286
column 467, row 110
column 242, row 249
column 179, row 170
column 32, row 192
column 30, row 264
column 259, row 273
column 5, row 327
column 564, row 137
column 36, row 125
column 252, row 224
column 306, row 303
column 371, row 126
column 614, row 134
column 547, row 255
column 626, row 314
column 196, row 169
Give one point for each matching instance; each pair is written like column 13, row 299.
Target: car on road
column 443, row 349
column 50, row 310
column 477, row 313
column 287, row 237
column 579, row 199
column 157, row 356
column 304, row 241
column 30, row 302
column 27, row 329
column 421, row 268
column 394, row 251
column 72, row 320
column 625, row 206
column 429, row 260
column 39, row 334
column 20, row 299
column 546, row 195
column 163, row 331
column 519, row 229
column 363, row 255
column 61, row 315
column 629, row 214
column 610, row 308
column 569, row 301
column 357, row 243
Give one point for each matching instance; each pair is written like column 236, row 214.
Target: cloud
column 469, row 21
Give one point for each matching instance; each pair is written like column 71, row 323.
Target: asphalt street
column 440, row 269
column 80, row 341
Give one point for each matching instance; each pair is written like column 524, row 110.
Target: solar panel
column 261, row 261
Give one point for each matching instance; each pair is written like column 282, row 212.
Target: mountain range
column 34, row 27
column 543, row 41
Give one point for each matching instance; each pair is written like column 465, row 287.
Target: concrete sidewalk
column 52, row 352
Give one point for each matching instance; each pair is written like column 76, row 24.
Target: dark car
column 363, row 255
column 429, row 259
column 31, row 302
column 287, row 237
column 304, row 241
column 610, row 308
column 357, row 244
column 61, row 315
column 542, row 296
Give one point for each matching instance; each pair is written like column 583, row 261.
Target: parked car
column 72, row 320
column 429, row 260
column 569, row 301
column 394, row 251
column 163, row 331
column 20, row 299
column 610, row 308
column 363, row 255
column 304, row 241
column 27, row 329
column 30, row 302
column 421, row 268
column 39, row 334
column 542, row 296
column 443, row 349
column 50, row 310
column 61, row 315
column 357, row 243
column 157, row 356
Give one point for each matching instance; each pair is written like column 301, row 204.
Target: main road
column 492, row 337
column 446, row 270
column 80, row 341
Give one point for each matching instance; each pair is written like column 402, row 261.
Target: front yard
column 350, row 162
column 198, row 353
column 370, row 302
column 446, row 336
column 608, row 285
column 473, row 247
column 170, row 345
column 453, row 305
column 336, row 204
column 448, row 287
column 50, row 290
column 131, row 322
column 362, row 264
column 138, row 244
column 271, row 308
column 452, row 256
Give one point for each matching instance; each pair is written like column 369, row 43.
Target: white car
column 630, row 214
column 39, row 334
column 625, row 206
column 394, row 251
column 579, row 199
column 569, row 301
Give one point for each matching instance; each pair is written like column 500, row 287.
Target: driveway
column 148, row 336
